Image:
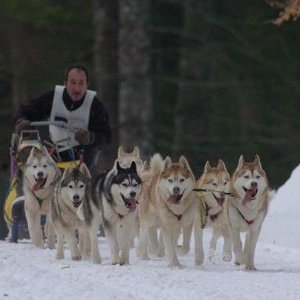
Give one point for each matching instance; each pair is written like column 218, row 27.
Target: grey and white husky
column 118, row 192
column 39, row 179
column 74, row 208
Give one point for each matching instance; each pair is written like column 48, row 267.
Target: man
column 84, row 117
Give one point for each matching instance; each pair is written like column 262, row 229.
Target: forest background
column 207, row 79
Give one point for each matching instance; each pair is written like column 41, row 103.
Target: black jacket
column 39, row 109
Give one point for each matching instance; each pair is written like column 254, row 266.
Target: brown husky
column 247, row 208
column 170, row 203
column 215, row 185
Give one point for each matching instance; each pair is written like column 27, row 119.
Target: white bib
column 76, row 119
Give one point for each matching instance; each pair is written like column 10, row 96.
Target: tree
column 135, row 98
column 106, row 27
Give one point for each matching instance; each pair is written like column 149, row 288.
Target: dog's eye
column 257, row 177
column 214, row 184
column 125, row 184
column 44, row 166
column 181, row 180
column 225, row 182
column 170, row 180
column 70, row 186
column 134, row 184
column 246, row 176
column 81, row 186
column 34, row 166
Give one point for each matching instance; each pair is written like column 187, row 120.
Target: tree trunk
column 106, row 24
column 135, row 103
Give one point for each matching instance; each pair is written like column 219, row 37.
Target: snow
column 30, row 273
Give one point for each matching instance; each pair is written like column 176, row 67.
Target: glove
column 84, row 137
column 22, row 124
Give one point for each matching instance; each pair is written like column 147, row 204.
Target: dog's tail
column 156, row 163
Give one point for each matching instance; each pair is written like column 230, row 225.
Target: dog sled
column 20, row 148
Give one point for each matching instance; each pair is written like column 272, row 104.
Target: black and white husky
column 73, row 208
column 118, row 192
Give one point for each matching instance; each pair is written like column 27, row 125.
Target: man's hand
column 84, row 137
column 22, row 124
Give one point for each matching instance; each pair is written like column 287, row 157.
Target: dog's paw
column 60, row 256
column 76, row 258
column 227, row 257
column 183, row 250
column 250, row 267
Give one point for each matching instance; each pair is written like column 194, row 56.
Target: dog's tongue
column 38, row 184
column 248, row 196
column 130, row 204
column 173, row 198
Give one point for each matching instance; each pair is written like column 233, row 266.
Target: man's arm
column 36, row 109
column 99, row 124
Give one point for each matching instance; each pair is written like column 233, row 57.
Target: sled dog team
column 152, row 202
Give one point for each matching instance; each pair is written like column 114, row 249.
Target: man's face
column 76, row 84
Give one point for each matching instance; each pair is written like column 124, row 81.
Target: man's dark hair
column 76, row 66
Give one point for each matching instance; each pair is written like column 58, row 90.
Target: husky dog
column 39, row 179
column 74, row 208
column 126, row 158
column 215, row 185
column 247, row 208
column 118, row 192
column 169, row 201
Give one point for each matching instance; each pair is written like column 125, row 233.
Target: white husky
column 247, row 208
column 40, row 177
column 118, row 191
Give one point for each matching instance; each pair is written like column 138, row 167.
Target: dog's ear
column 167, row 163
column 221, row 166
column 241, row 162
column 184, row 163
column 45, row 150
column 31, row 155
column 136, row 151
column 84, row 169
column 119, row 168
column 66, row 173
column 120, row 152
column 207, row 167
column 133, row 167
column 257, row 161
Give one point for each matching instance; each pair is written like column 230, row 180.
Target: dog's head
column 75, row 183
column 176, row 180
column 126, row 158
column 216, row 179
column 40, row 169
column 127, row 186
column 249, row 181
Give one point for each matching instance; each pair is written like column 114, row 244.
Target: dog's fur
column 169, row 201
column 39, row 179
column 118, row 191
column 126, row 158
column 247, row 208
column 216, row 182
column 74, row 208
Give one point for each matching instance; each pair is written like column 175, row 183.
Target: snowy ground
column 30, row 273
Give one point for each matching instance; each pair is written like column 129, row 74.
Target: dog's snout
column 132, row 194
column 76, row 198
column 176, row 190
column 253, row 184
column 40, row 174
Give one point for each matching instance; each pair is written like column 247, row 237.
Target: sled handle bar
column 59, row 124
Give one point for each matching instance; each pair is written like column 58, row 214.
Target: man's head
column 76, row 81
